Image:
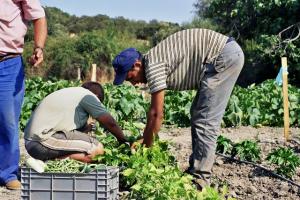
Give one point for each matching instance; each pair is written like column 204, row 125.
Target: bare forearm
column 155, row 117
column 40, row 32
column 152, row 128
column 108, row 122
column 117, row 132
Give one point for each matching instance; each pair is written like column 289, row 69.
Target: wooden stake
column 78, row 74
column 94, row 75
column 285, row 98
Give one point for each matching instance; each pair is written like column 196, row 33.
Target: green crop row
column 262, row 105
column 255, row 105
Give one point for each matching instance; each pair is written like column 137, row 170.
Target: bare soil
column 244, row 181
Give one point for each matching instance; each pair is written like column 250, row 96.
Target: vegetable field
column 157, row 172
column 253, row 159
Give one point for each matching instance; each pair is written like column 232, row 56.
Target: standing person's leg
column 11, row 97
column 209, row 106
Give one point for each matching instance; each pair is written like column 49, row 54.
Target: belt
column 230, row 39
column 8, row 56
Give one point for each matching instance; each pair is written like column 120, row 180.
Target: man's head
column 128, row 66
column 95, row 88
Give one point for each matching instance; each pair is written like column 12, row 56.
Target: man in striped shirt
column 193, row 59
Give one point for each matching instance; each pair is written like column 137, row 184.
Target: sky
column 177, row 11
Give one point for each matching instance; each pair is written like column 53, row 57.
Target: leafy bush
column 257, row 23
column 286, row 160
column 150, row 173
column 224, row 145
column 177, row 107
column 246, row 150
column 261, row 105
column 125, row 103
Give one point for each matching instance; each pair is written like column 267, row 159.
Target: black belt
column 230, row 39
column 8, row 56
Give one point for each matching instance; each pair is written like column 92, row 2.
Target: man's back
column 177, row 61
column 64, row 110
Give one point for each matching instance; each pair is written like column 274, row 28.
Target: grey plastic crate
column 99, row 185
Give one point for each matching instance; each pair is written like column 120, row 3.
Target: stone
column 219, row 161
column 232, row 194
column 284, row 186
column 251, row 189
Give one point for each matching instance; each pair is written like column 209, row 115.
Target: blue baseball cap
column 123, row 62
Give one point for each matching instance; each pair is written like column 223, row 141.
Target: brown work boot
column 13, row 185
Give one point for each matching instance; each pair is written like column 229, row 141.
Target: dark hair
column 95, row 88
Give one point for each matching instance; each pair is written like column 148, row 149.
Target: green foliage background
column 79, row 41
column 256, row 25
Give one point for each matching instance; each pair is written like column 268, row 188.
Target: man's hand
column 40, row 35
column 37, row 56
column 135, row 144
column 108, row 122
column 88, row 128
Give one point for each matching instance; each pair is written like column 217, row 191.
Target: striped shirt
column 177, row 62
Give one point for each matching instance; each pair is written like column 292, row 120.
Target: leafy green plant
column 155, row 167
column 246, row 150
column 286, row 160
column 209, row 193
column 125, row 103
column 256, row 105
column 177, row 107
column 150, row 173
column 224, row 145
column 115, row 154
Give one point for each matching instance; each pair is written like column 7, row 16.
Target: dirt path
column 244, row 181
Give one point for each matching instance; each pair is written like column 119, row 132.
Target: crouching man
column 57, row 128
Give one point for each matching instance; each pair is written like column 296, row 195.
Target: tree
column 256, row 24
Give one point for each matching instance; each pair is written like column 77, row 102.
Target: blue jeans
column 12, row 88
column 209, row 106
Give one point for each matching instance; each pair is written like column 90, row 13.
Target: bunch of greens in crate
column 64, row 166
column 286, row 161
column 246, row 150
column 68, row 165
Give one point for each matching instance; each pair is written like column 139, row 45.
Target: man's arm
column 154, row 117
column 108, row 122
column 40, row 35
